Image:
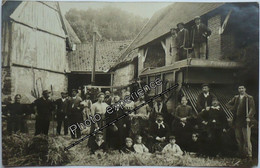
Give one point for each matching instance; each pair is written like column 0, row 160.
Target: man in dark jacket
column 75, row 112
column 43, row 108
column 62, row 112
column 16, row 113
column 215, row 123
column 204, row 99
column 243, row 108
column 182, row 41
column 200, row 34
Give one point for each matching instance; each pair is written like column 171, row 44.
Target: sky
column 143, row 9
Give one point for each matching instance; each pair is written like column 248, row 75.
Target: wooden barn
column 36, row 39
column 232, row 47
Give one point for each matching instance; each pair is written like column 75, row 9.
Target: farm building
column 81, row 63
column 232, row 45
column 36, row 39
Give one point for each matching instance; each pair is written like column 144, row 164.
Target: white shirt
column 174, row 149
column 140, row 148
column 206, row 94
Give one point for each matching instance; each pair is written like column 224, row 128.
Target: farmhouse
column 234, row 32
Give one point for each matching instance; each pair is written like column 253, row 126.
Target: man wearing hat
column 182, row 41
column 200, row 34
column 62, row 110
column 75, row 112
column 204, row 99
column 43, row 108
column 215, row 123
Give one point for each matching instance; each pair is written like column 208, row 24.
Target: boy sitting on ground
column 172, row 148
column 99, row 145
column 139, row 147
column 128, row 148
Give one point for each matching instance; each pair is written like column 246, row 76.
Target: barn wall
column 34, row 52
column 39, row 15
column 38, row 49
column 27, row 82
column 123, row 75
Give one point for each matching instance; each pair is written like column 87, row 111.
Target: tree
column 113, row 24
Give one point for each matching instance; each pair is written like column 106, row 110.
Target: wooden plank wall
column 39, row 49
column 38, row 37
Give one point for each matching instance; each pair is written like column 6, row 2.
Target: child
column 172, row 148
column 98, row 145
column 128, row 148
column 139, row 147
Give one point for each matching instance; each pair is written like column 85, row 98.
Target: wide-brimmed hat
column 45, row 92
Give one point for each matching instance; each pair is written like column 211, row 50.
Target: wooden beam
column 32, row 67
column 145, row 54
column 164, row 47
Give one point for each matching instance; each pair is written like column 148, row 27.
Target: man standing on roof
column 200, row 34
column 243, row 108
column 204, row 99
column 182, row 41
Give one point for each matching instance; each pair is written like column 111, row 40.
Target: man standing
column 75, row 112
column 43, row 108
column 62, row 110
column 182, row 41
column 200, row 34
column 108, row 98
column 173, row 48
column 204, row 99
column 16, row 113
column 243, row 108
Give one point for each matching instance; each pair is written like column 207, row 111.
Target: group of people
column 153, row 127
column 196, row 39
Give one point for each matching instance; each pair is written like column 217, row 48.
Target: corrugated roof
column 107, row 55
column 168, row 17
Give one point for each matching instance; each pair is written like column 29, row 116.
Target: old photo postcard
column 129, row 83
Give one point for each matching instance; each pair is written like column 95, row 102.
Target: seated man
column 159, row 134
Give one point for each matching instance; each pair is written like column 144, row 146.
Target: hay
column 28, row 150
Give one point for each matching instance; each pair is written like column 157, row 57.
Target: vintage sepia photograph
column 124, row 83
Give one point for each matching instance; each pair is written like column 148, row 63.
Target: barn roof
column 107, row 55
column 165, row 19
column 21, row 12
